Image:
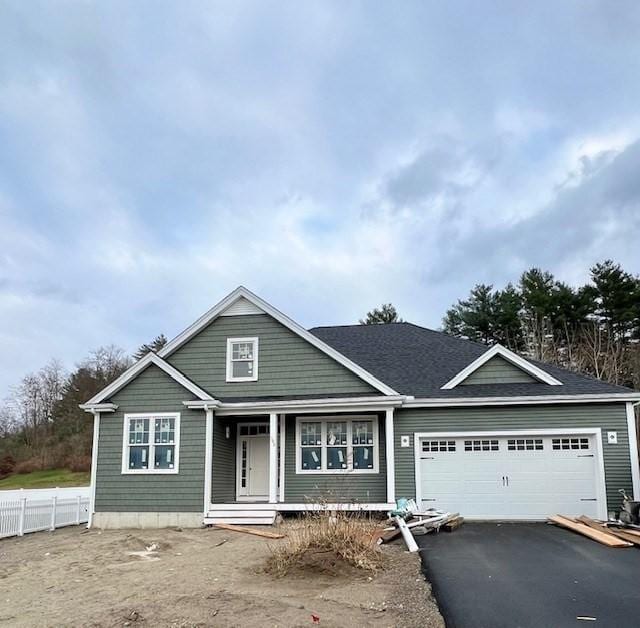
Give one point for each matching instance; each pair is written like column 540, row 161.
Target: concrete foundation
column 115, row 520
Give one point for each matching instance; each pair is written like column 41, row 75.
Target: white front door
column 258, row 467
column 252, row 469
column 524, row 477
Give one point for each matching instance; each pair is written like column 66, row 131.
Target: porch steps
column 249, row 514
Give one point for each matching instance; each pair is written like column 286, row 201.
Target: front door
column 253, row 462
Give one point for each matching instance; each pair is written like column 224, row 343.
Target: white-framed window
column 242, row 359
column 337, row 444
column 151, row 442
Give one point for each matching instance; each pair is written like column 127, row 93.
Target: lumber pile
column 420, row 523
column 597, row 531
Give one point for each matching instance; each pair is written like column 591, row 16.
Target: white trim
column 241, row 307
column 94, row 465
column 254, row 377
column 273, row 458
column 98, row 407
column 151, row 445
column 601, row 489
column 242, row 292
column 208, row 458
column 349, row 446
column 444, row 402
column 508, row 355
column 633, row 450
column 283, row 427
column 240, row 492
column 138, row 367
column 389, row 435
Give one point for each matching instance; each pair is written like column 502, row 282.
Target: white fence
column 24, row 511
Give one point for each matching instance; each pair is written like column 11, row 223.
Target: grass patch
column 46, row 479
column 329, row 543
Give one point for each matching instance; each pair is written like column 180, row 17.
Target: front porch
column 260, row 464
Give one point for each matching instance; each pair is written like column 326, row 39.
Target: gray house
column 246, row 414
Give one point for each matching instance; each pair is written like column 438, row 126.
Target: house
column 246, row 414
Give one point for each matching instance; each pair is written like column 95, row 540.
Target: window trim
column 324, row 419
column 230, row 342
column 125, row 443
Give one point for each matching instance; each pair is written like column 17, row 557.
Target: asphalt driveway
column 530, row 575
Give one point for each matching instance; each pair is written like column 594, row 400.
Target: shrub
column 78, row 463
column 28, row 466
column 328, row 541
column 7, row 465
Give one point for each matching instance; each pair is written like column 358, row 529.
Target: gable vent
column 241, row 307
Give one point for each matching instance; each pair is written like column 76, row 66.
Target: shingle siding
column 497, row 370
column 152, row 391
column 287, row 364
column 605, row 416
column 347, row 487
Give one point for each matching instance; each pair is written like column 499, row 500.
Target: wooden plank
column 602, row 537
column 621, row 534
column 453, row 524
column 264, row 533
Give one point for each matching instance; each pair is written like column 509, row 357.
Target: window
column 524, row 444
column 150, row 443
column 570, row 443
column 337, row 445
column 242, row 359
column 438, row 445
column 481, row 445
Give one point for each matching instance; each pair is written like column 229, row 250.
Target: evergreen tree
column 154, row 346
column 386, row 313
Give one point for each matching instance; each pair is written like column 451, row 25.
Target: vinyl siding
column 499, row 371
column 287, row 364
column 605, row 416
column 348, row 487
column 152, row 391
column 223, row 481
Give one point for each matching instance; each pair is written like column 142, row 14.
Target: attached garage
column 512, row 475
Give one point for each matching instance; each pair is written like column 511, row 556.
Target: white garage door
column 510, row 477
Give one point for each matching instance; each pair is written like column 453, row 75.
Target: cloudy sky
column 328, row 155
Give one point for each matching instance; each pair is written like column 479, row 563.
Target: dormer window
column 242, row 359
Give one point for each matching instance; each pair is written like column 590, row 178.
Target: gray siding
column 605, row 416
column 287, row 364
column 151, row 391
column 498, row 371
column 349, row 487
column 223, row 481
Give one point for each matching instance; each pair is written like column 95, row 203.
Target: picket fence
column 34, row 510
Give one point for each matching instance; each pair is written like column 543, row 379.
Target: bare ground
column 208, row 577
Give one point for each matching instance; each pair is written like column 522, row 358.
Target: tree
column 154, row 346
column 386, row 313
column 475, row 317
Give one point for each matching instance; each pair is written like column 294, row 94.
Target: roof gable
column 497, row 370
column 246, row 302
column 511, row 357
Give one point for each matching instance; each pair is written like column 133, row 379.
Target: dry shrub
column 28, row 466
column 328, row 542
column 78, row 463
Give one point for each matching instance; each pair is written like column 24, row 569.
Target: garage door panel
column 524, row 477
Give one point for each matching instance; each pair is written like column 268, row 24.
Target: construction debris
column 453, row 524
column 603, row 535
column 264, row 533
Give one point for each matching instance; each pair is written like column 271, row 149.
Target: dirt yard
column 209, row 577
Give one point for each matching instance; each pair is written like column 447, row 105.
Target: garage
column 511, row 475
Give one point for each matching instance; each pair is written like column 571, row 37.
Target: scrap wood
column 453, row 524
column 596, row 525
column 596, row 535
column 235, row 528
column 412, row 546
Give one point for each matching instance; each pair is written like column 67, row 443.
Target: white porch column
column 281, row 471
column 94, row 465
column 273, row 458
column 391, row 467
column 208, row 459
column 633, row 450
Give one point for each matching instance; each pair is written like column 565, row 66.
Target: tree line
column 592, row 329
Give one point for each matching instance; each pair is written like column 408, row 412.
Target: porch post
column 391, row 467
column 208, row 459
column 94, row 466
column 282, row 442
column 273, row 458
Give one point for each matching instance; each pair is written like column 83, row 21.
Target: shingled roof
column 417, row 361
